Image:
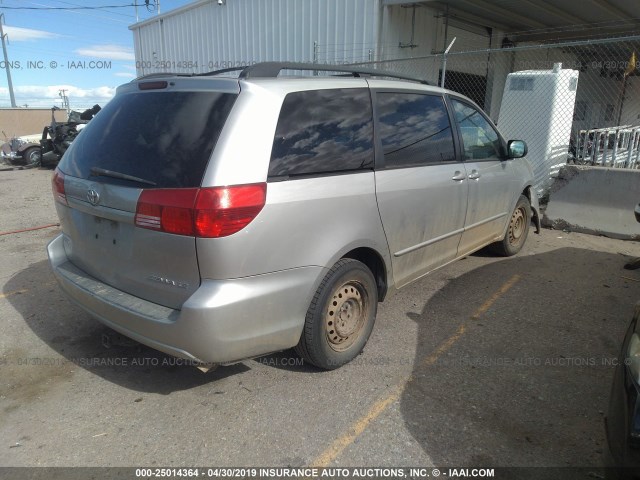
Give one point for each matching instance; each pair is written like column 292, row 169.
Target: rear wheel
column 340, row 317
column 517, row 230
column 32, row 156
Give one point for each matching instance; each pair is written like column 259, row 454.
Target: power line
column 97, row 7
column 108, row 15
column 76, row 5
column 70, row 8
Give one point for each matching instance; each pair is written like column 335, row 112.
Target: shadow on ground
column 79, row 338
column 527, row 382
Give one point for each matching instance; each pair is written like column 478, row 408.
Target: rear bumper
column 223, row 321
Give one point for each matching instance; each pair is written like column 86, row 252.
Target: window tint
column 323, row 131
column 414, row 129
column 479, row 138
column 164, row 137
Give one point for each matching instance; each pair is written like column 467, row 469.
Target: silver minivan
column 218, row 219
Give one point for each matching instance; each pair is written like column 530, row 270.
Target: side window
column 323, row 131
column 479, row 138
column 414, row 129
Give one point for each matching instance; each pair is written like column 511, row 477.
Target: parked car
column 21, row 151
column 622, row 423
column 218, row 219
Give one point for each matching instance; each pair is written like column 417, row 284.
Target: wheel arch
column 27, row 146
column 374, row 262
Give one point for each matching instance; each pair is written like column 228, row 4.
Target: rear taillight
column 57, row 185
column 200, row 212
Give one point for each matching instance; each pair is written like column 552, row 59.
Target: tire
column 32, row 156
column 340, row 317
column 517, row 231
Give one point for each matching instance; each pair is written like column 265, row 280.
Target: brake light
column 200, row 212
column 57, row 185
column 152, row 85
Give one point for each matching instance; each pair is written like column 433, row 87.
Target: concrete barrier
column 595, row 200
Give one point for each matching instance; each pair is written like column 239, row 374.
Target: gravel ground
column 487, row 362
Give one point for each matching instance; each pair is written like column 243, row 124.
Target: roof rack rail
column 273, row 69
column 219, row 72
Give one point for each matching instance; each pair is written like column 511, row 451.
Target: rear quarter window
column 164, row 137
column 323, row 131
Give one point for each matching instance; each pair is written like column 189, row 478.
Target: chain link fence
column 576, row 102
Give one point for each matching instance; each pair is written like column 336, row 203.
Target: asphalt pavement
column 487, row 362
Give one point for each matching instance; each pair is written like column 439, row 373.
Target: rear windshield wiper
column 101, row 172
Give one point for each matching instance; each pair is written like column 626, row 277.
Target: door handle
column 474, row 175
column 458, row 176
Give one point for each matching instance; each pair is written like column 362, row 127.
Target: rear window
column 163, row 137
column 323, row 131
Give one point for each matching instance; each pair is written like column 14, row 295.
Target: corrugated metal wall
column 397, row 28
column 246, row 31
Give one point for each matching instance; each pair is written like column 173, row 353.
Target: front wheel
column 32, row 156
column 340, row 317
column 517, row 230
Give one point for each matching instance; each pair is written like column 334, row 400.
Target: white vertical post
column 444, row 62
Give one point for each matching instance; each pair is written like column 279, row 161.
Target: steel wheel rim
column 346, row 315
column 517, row 226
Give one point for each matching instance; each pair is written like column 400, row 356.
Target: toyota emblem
column 93, row 197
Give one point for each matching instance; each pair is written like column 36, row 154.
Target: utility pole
column 147, row 3
column 3, row 36
column 65, row 100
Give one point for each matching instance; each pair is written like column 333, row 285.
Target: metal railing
column 617, row 147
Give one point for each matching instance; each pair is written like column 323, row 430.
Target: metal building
column 212, row 34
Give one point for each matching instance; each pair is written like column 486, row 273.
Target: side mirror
column 517, row 148
column 637, row 212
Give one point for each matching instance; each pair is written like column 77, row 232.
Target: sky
column 86, row 52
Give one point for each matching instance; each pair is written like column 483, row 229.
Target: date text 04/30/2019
column 314, row 472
